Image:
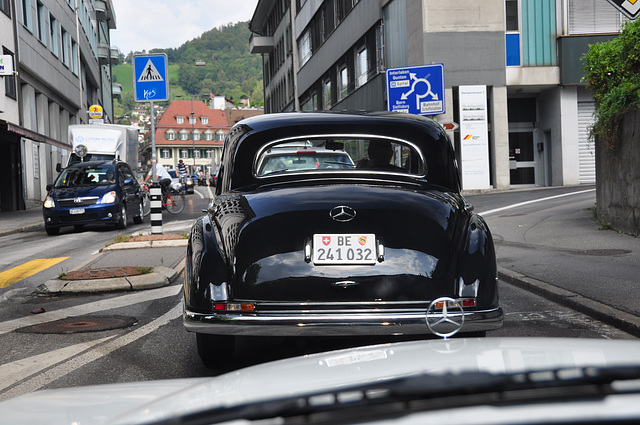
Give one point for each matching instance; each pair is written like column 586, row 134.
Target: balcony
column 116, row 91
column 259, row 44
column 571, row 49
column 106, row 54
column 104, row 12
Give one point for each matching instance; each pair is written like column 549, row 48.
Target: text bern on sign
column 150, row 78
column 416, row 90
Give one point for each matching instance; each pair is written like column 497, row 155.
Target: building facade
column 62, row 58
column 190, row 131
column 522, row 57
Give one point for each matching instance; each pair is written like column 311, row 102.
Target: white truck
column 102, row 142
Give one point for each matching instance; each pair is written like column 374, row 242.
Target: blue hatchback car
column 93, row 192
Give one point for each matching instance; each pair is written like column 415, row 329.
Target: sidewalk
column 572, row 285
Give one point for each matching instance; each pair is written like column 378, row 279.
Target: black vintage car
column 336, row 224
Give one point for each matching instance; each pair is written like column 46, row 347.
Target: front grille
column 77, row 202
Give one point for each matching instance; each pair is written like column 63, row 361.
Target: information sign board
column 416, row 90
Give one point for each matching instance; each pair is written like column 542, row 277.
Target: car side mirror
column 58, row 167
column 128, row 182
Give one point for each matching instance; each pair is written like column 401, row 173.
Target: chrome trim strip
column 331, row 324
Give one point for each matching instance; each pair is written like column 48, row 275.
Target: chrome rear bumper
column 331, row 324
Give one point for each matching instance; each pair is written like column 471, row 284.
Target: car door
column 130, row 188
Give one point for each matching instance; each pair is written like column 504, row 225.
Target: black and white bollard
column 156, row 209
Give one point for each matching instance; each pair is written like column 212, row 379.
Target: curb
column 146, row 244
column 605, row 313
column 159, row 277
column 26, row 228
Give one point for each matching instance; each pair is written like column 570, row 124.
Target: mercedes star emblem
column 444, row 317
column 342, row 213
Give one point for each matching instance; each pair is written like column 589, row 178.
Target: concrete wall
column 618, row 178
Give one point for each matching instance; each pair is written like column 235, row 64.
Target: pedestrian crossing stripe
column 629, row 8
column 150, row 73
column 16, row 274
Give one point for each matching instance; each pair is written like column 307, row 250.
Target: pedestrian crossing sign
column 150, row 79
column 629, row 8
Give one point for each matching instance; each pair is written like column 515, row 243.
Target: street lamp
column 193, row 137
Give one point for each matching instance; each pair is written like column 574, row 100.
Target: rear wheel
column 122, row 223
column 175, row 203
column 215, row 349
column 146, row 204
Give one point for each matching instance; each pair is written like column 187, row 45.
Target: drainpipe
column 16, row 63
column 294, row 40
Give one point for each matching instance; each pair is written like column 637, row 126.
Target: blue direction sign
column 416, row 90
column 150, row 78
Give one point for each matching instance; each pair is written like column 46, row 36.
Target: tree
column 612, row 73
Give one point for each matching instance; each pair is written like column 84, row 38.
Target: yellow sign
column 95, row 111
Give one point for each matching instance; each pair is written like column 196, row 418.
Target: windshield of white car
column 427, row 392
column 341, row 153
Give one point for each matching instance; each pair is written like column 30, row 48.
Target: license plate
column 75, row 211
column 344, row 248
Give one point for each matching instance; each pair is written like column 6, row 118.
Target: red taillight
column 464, row 302
column 306, row 152
column 468, row 302
column 233, row 307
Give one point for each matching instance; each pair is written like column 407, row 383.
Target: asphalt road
column 154, row 345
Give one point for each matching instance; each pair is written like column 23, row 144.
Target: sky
column 148, row 24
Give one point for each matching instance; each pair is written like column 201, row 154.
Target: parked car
column 93, row 192
column 175, row 182
column 361, row 248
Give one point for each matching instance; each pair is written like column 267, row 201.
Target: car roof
column 94, row 163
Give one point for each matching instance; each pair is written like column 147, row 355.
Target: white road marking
column 508, row 207
column 72, row 364
column 16, row 371
column 93, row 307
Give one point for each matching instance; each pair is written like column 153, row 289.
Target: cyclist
column 164, row 178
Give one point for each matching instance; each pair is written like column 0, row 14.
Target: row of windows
column 51, row 33
column 324, row 22
column 192, row 120
column 360, row 64
column 195, row 135
column 166, row 153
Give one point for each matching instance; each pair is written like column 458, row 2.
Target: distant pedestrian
column 182, row 170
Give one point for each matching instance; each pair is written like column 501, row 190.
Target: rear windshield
column 86, row 176
column 339, row 154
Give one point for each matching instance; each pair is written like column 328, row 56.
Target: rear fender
column 205, row 285
column 476, row 274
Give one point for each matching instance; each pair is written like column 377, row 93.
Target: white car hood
column 144, row 402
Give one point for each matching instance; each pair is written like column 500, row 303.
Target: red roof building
column 190, row 131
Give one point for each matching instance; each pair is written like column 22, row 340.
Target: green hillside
column 217, row 62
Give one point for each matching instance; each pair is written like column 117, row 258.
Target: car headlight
column 49, row 202
column 109, row 198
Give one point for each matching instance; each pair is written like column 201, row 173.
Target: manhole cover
column 72, row 325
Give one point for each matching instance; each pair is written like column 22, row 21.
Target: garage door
column 586, row 151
